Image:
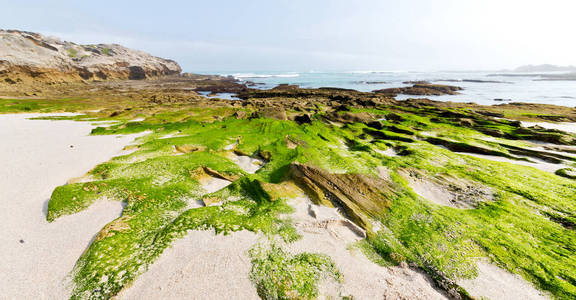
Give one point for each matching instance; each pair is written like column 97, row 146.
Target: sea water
column 485, row 88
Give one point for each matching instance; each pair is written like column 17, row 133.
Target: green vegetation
column 279, row 275
column 158, row 185
column 567, row 172
column 106, row 51
column 526, row 229
column 50, row 105
column 72, row 52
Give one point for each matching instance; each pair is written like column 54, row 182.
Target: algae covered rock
column 278, row 113
column 359, row 196
column 567, row 172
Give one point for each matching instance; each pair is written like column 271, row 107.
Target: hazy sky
column 303, row 35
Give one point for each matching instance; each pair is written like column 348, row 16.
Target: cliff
column 28, row 56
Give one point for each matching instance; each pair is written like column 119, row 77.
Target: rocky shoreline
column 324, row 192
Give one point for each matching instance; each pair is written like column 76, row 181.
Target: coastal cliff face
column 32, row 57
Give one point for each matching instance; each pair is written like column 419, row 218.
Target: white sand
column 36, row 157
column 212, row 184
column 205, row 266
column 246, row 163
column 452, row 192
column 199, row 266
column 172, row 135
column 363, row 279
column 567, row 127
column 388, row 152
column 431, row 191
column 535, row 163
column 496, row 283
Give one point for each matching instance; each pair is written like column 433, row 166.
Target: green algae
column 566, row 172
column 280, row 275
column 157, row 186
column 511, row 230
column 116, row 259
column 42, row 105
column 522, row 230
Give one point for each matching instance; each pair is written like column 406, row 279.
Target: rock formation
column 31, row 57
column 421, row 89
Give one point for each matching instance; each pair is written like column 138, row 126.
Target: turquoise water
column 509, row 89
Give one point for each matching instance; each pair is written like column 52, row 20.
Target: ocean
column 485, row 88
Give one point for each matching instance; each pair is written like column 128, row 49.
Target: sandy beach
column 35, row 157
column 201, row 265
column 37, row 256
column 379, row 151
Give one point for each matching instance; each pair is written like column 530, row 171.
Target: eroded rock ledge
column 31, row 57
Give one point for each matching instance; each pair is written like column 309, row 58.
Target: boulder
column 359, row 196
column 278, row 113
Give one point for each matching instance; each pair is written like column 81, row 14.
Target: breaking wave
column 253, row 75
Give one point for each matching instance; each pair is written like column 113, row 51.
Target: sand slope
column 35, row 157
column 362, row 278
column 496, row 283
column 201, row 265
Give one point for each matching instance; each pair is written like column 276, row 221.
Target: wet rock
column 187, row 148
column 554, row 118
column 285, row 86
column 392, row 117
column 351, row 117
column 492, row 132
column 278, row 113
column 241, row 114
column 416, row 82
column 397, row 129
column 293, row 143
column 341, row 108
column 265, row 155
column 567, row 172
column 359, row 196
column 467, row 122
column 380, row 135
column 375, row 124
column 561, row 218
column 214, row 173
column 302, row 119
column 442, row 281
column 545, row 135
column 421, row 89
column 490, row 113
column 463, row 147
column 543, row 155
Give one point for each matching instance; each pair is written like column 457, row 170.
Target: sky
column 316, row 35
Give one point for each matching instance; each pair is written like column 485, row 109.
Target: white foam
column 253, row 75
